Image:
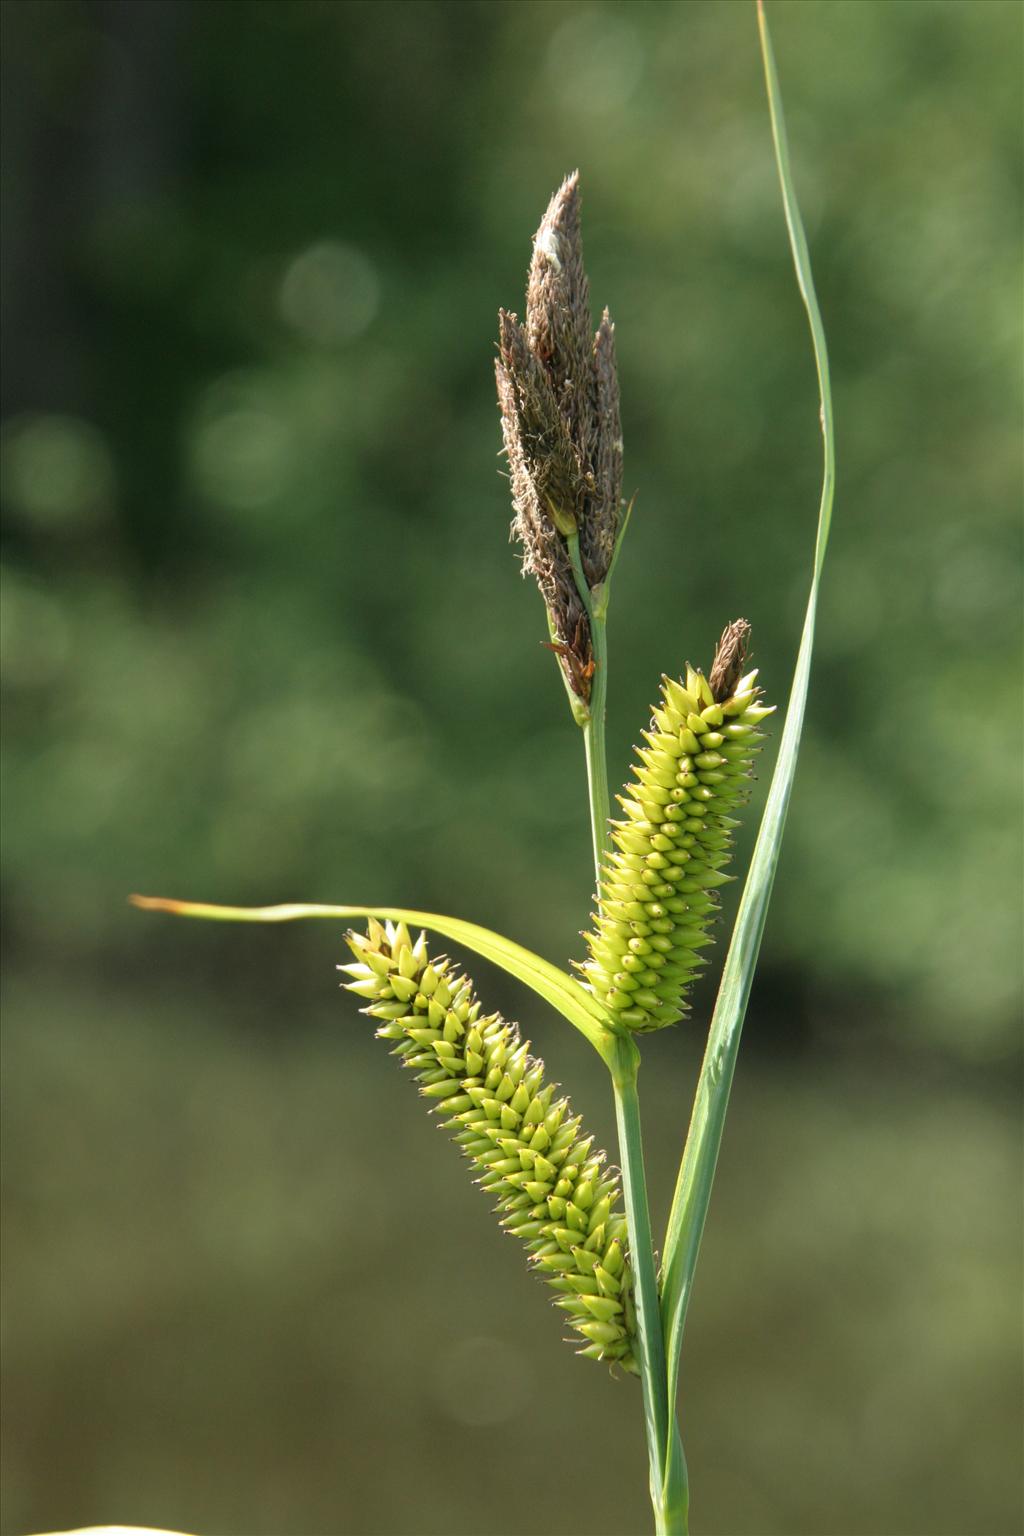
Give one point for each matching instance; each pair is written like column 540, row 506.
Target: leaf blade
column 700, row 1155
column 558, row 988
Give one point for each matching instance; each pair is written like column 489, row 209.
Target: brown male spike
column 558, row 393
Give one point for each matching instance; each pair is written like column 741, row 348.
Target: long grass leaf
column 697, row 1171
column 557, row 987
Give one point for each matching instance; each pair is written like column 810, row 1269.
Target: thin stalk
column 668, row 1480
column 593, row 724
column 668, row 1493
column 593, row 742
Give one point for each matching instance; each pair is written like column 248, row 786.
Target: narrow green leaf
column 557, row 987
column 697, row 1171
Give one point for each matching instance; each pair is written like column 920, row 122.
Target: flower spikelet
column 542, row 474
column 558, row 393
column 657, row 895
column 552, row 1188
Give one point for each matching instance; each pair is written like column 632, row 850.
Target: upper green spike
column 660, row 881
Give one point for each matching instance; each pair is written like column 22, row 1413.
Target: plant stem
column 672, row 1515
column 668, row 1492
column 668, row 1481
column 593, row 725
column 593, row 741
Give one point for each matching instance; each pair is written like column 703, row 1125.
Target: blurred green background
column 264, row 639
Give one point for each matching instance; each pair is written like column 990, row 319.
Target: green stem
column 672, row 1514
column 593, row 725
column 593, row 742
column 667, row 1465
column 668, row 1481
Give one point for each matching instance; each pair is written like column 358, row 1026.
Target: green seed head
column 657, row 893
column 552, row 1188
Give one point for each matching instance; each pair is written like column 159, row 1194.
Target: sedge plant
column 659, row 865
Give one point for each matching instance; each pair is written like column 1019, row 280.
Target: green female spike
column 530, row 1154
column 657, row 892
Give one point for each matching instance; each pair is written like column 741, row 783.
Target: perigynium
column 551, row 1185
column 586, row 1226
column 658, row 888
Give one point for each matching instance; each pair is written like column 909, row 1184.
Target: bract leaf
column 555, row 986
column 700, row 1156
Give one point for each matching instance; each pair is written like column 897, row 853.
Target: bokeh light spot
column 57, row 471
column 597, row 61
column 243, row 447
column 34, row 635
column 330, row 293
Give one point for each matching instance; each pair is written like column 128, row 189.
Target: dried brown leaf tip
column 730, row 658
column 558, row 393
